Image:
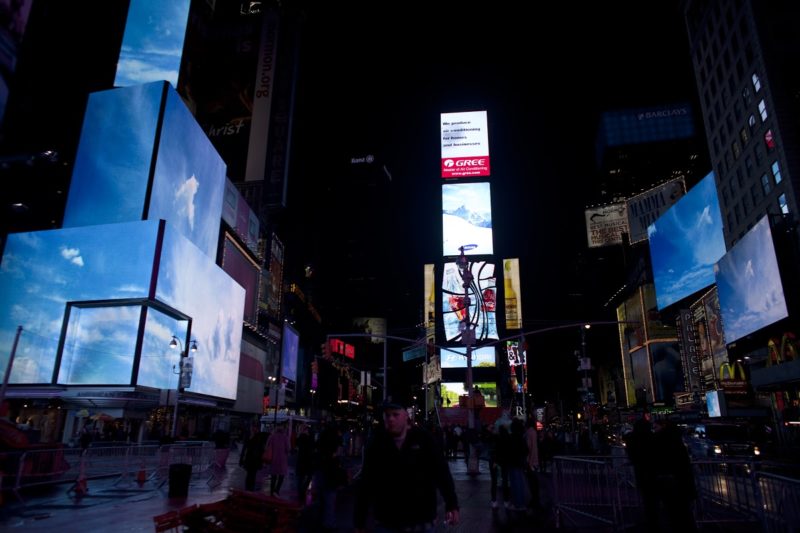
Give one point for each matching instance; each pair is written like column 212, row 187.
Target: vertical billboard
column 246, row 273
column 467, row 218
column 512, row 294
column 465, row 145
column 275, row 278
column 289, row 348
column 238, row 215
column 667, row 370
column 686, row 242
column 606, row 224
column 482, row 295
column 152, row 45
column 429, row 296
column 749, row 284
column 12, row 29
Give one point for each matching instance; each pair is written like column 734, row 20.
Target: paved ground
column 122, row 505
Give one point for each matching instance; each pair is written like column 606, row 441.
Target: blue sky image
column 112, row 164
column 289, row 353
column 153, row 42
column 41, row 271
column 189, row 180
column 749, row 284
column 190, row 282
column 467, row 218
column 685, row 242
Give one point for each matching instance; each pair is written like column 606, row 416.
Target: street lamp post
column 175, row 343
column 468, row 339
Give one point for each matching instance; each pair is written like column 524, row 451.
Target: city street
column 124, row 506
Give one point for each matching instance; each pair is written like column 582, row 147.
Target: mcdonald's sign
column 784, row 351
column 733, row 379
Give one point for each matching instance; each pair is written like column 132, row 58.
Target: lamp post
column 586, row 366
column 175, row 343
column 468, row 339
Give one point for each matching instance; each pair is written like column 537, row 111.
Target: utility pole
column 468, row 339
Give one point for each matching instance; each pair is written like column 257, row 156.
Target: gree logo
column 448, row 163
column 470, row 162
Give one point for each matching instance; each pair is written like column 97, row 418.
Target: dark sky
column 376, row 78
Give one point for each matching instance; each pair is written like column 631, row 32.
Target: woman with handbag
column 276, row 456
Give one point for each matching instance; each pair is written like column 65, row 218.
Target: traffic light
column 326, row 350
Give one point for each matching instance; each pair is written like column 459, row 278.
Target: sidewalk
column 125, row 506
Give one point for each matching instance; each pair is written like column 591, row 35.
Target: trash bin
column 179, row 476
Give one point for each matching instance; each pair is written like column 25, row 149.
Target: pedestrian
column 674, row 478
column 532, row 466
column 496, row 443
column 517, row 461
column 276, row 454
column 305, row 462
column 401, row 473
column 252, row 458
column 640, row 449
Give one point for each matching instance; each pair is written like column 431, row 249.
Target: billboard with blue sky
column 685, row 243
column 467, row 218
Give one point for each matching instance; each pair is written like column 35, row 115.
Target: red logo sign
column 460, row 167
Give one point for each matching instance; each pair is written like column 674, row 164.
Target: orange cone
column 81, row 487
column 141, row 476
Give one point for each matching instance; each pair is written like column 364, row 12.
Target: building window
column 754, row 195
column 730, row 220
column 748, row 163
column 759, row 153
column 737, row 151
column 762, row 110
column 769, row 140
column 746, row 96
column 776, row 171
column 737, row 210
column 744, row 135
column 751, row 122
column 784, row 207
column 765, row 184
column 756, row 82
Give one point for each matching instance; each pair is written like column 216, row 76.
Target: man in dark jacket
column 401, row 473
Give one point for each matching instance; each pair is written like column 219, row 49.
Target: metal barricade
column 594, row 489
column 727, row 493
column 780, row 498
column 43, row 467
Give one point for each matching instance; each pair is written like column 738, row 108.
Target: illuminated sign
column 465, row 145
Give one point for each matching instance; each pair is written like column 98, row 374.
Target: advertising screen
column 482, row 297
column 42, row 271
column 645, row 208
column 195, row 286
column 512, row 294
column 749, row 284
column 152, row 44
column 429, row 294
column 452, row 390
column 667, row 370
column 606, row 224
column 189, row 178
column 158, row 359
column 112, row 164
column 289, row 347
column 685, row 243
column 246, row 273
column 465, row 145
column 467, row 218
column 640, row 364
column 483, row 356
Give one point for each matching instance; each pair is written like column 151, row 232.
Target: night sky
column 375, row 80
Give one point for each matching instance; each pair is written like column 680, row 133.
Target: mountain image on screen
column 481, row 220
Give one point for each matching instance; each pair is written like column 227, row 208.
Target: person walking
column 304, row 469
column 640, row 449
column 517, row 462
column 276, row 454
column 498, row 465
column 252, row 460
column 401, row 473
column 674, row 478
column 532, row 466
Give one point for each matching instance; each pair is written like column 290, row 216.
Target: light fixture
column 193, row 347
column 174, row 342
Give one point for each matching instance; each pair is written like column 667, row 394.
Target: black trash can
column 179, row 476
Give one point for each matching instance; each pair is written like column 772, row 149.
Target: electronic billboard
column 457, row 358
column 289, row 347
column 482, row 298
column 465, row 144
column 749, row 284
column 467, row 218
column 685, row 243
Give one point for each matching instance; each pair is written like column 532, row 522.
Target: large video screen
column 749, row 284
column 452, row 390
column 482, row 297
column 467, row 218
column 152, row 44
column 289, row 347
column 189, row 178
column 667, row 370
column 42, row 271
column 685, row 243
column 112, row 165
column 246, row 274
column 159, row 362
column 483, row 356
column 195, row 286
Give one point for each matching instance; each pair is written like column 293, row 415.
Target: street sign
column 414, row 353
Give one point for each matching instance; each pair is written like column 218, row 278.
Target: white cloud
column 184, row 198
column 73, row 255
